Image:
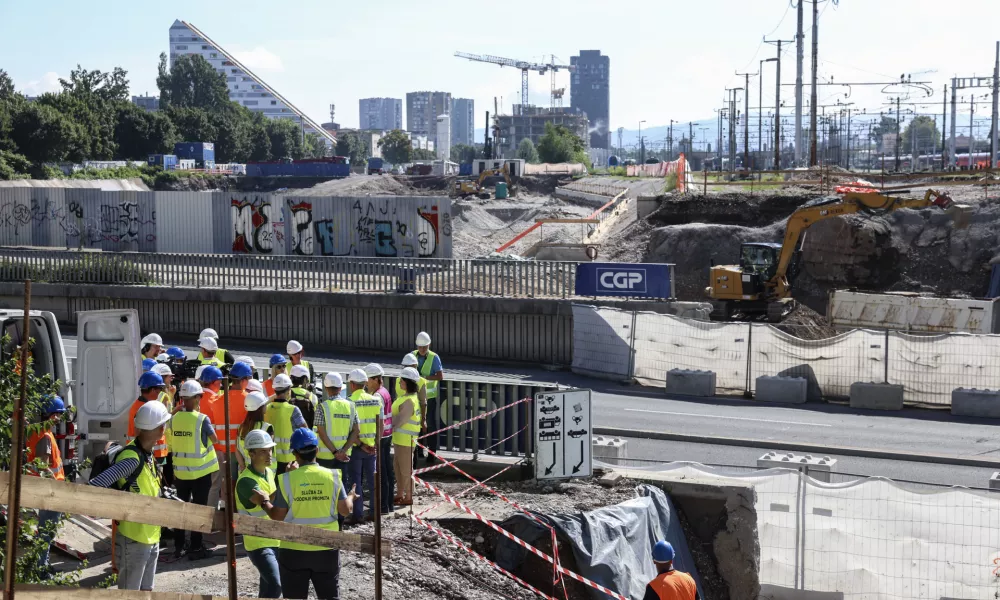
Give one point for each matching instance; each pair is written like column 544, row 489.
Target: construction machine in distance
column 761, row 284
column 465, row 187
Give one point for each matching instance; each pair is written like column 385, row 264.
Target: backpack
column 104, row 460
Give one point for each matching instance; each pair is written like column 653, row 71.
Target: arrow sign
column 548, row 469
column 576, row 467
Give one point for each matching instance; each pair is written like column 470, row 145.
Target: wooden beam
column 53, row 592
column 101, row 503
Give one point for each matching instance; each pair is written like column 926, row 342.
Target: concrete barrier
column 876, row 396
column 995, row 481
column 786, row 390
column 613, row 451
column 819, row 468
column 691, row 383
column 967, row 402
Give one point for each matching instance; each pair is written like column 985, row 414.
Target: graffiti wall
column 226, row 223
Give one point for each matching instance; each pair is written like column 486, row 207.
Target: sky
column 670, row 60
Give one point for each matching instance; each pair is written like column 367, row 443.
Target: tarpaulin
column 612, row 545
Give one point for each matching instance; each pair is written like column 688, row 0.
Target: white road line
column 684, row 414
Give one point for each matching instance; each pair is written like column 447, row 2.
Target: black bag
column 104, row 460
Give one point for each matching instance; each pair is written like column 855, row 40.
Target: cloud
column 48, row 83
column 260, row 59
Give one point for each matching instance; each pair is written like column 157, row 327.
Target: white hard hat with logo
column 423, row 339
column 191, row 388
column 293, row 347
column 209, row 344
column 258, row 439
column 333, row 380
column 151, row 415
column 153, row 338
column 208, row 333
column 254, row 400
column 282, row 382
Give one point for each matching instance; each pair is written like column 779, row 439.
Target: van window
column 41, row 351
column 103, row 330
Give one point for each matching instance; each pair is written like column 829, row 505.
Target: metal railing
column 484, row 277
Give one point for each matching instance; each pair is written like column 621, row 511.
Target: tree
column 192, row 125
column 463, row 154
column 351, row 145
column 139, row 133
column 396, row 147
column 926, row 131
column 108, row 87
column 6, row 86
column 286, row 139
column 886, row 125
column 191, row 82
column 260, row 141
column 233, row 127
column 526, row 151
column 43, row 134
column 560, row 145
column 421, row 154
column 315, row 146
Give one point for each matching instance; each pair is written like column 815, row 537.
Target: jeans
column 45, row 517
column 196, row 491
column 362, row 478
column 388, row 475
column 266, row 561
column 299, row 567
column 345, row 478
column 136, row 564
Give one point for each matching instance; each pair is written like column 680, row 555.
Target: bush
column 82, row 267
column 671, row 182
column 14, row 166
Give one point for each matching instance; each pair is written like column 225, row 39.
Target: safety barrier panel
column 680, row 167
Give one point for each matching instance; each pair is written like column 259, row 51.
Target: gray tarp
column 612, row 545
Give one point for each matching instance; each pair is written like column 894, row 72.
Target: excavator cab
column 758, row 264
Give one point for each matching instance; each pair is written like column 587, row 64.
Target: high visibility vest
column 241, row 442
column 279, row 415
column 147, row 484
column 405, row 434
column 160, row 449
column 402, row 392
column 215, row 360
column 266, row 484
column 425, row 371
column 55, row 459
column 167, row 401
column 674, row 585
column 220, row 354
column 337, row 415
column 311, row 493
column 237, row 412
column 304, row 363
column 368, row 408
column 211, row 407
column 192, row 458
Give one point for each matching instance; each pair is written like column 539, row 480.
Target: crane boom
column 524, row 66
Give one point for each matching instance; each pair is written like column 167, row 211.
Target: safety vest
column 337, row 416
column 266, row 484
column 211, row 407
column 216, row 360
column 147, row 484
column 237, row 412
column 402, row 392
column 304, row 363
column 241, row 443
column 192, row 458
column 425, row 371
column 311, row 493
column 405, row 434
column 368, row 408
column 55, row 460
column 167, row 401
column 160, row 449
column 674, row 585
column 279, row 414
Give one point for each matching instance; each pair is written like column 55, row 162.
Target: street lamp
column 642, row 148
column 670, row 140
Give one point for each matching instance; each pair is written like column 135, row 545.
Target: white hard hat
column 153, row 338
column 191, row 388
column 151, row 415
column 300, row 371
column 197, row 372
column 357, row 376
column 282, row 382
column 333, row 380
column 257, row 439
column 293, row 347
column 254, row 386
column 410, row 361
column 208, row 333
column 423, row 339
column 162, row 357
column 254, row 400
column 374, row 370
column 162, row 370
column 411, row 374
column 209, row 344
column 247, row 360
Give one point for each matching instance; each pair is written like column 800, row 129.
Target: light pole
column 760, row 102
column 670, row 141
column 642, row 148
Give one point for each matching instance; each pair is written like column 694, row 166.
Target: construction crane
column 525, row 67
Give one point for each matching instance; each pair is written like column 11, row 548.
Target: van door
column 108, row 368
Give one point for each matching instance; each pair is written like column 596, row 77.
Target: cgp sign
column 652, row 280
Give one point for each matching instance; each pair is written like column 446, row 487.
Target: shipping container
column 913, row 313
column 167, row 161
column 200, row 152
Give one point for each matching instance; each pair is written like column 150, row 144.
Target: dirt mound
column 435, row 183
column 736, row 209
column 544, row 185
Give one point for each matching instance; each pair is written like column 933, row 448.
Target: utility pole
column 954, row 127
column 944, row 126
column 899, row 141
column 691, row 137
column 718, row 149
column 777, row 100
column 642, row 147
column 813, row 101
column 799, row 54
column 996, row 109
column 670, row 141
column 746, row 120
column 972, row 113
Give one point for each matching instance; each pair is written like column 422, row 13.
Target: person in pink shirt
column 375, row 387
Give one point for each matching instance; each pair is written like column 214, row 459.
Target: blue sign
column 625, row 280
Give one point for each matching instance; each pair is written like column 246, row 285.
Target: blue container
column 465, row 169
column 501, row 190
column 167, row 161
column 200, row 152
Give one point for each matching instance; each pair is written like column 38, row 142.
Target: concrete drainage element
column 786, row 390
column 995, row 481
column 610, row 450
column 975, row 403
column 817, row 467
column 877, row 396
column 691, row 382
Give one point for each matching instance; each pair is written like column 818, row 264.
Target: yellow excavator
column 760, row 285
column 465, row 187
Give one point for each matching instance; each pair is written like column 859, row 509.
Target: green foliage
column 192, row 124
column 926, row 132
column 13, row 165
column 260, row 141
column 560, row 145
column 233, row 133
column 286, row 139
column 462, row 153
column 139, row 133
column 106, row 87
column 191, row 82
column 89, row 267
column 6, row 85
column 396, row 147
column 315, row 147
column 353, row 147
column 671, row 182
column 887, row 125
column 43, row 134
column 421, row 154
column 526, row 151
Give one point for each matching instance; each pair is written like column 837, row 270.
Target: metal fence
column 485, row 277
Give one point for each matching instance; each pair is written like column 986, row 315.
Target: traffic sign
column 563, row 435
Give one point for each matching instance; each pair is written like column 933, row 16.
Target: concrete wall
column 226, row 222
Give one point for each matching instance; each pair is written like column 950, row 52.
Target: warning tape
column 451, row 462
column 482, row 416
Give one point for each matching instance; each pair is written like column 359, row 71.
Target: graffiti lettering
column 118, row 223
column 427, row 231
column 330, row 244
column 302, row 231
column 250, row 226
column 384, row 245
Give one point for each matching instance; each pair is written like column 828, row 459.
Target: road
column 646, row 409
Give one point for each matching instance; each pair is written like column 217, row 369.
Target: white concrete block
column 613, row 451
column 817, row 467
column 691, row 383
column 877, row 396
column 995, row 481
column 970, row 402
column 786, row 390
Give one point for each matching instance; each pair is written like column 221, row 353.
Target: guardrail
column 484, row 277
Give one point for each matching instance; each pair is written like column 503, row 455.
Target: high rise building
column 590, row 92
column 147, row 103
column 245, row 88
column 382, row 114
column 463, row 124
column 422, row 110
column 529, row 122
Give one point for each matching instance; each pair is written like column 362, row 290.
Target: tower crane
column 525, row 66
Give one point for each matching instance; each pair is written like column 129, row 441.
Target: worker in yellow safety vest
column 222, row 355
column 295, row 354
column 410, row 360
column 255, row 483
column 370, row 413
column 406, row 422
column 430, row 368
column 151, row 346
column 209, row 353
column 255, row 405
column 285, row 418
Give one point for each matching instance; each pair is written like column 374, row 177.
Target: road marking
column 684, row 414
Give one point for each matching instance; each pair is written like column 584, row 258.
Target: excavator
column 761, row 284
column 465, row 187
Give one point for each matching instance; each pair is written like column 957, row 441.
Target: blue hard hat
column 54, row 404
column 278, row 359
column 241, row 371
column 210, row 373
column 150, row 379
column 175, row 352
column 148, row 363
column 303, row 438
column 663, row 552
